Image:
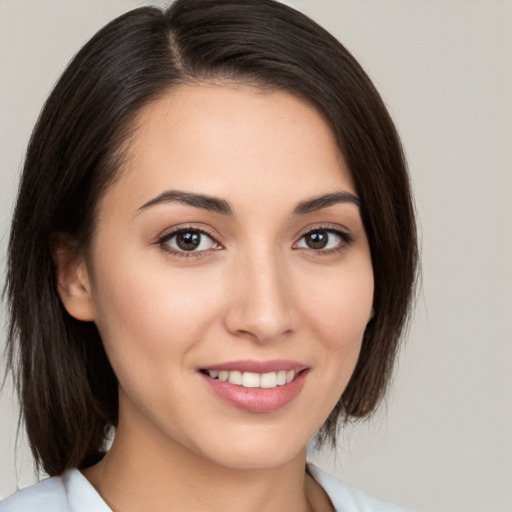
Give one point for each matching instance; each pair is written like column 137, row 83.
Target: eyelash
column 346, row 241
column 164, row 239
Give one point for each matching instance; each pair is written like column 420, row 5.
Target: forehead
column 233, row 141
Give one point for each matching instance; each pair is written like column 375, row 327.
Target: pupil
column 317, row 240
column 188, row 241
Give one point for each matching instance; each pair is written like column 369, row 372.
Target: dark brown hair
column 67, row 387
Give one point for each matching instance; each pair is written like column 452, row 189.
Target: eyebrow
column 205, row 202
column 217, row 205
column 317, row 203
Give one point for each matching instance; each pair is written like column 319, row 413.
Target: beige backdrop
column 443, row 443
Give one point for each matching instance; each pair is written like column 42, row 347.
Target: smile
column 251, row 379
column 254, row 386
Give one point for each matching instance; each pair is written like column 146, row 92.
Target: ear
column 72, row 278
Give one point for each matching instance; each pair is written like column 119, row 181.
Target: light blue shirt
column 72, row 492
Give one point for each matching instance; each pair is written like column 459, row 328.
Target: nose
column 260, row 305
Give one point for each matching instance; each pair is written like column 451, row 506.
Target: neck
column 154, row 472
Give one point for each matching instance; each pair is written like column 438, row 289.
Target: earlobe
column 72, row 278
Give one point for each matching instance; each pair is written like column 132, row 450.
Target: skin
column 257, row 291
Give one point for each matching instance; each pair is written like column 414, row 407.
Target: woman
column 213, row 252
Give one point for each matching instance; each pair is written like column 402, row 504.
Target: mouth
column 256, row 386
column 251, row 379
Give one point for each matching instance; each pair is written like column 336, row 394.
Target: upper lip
column 253, row 366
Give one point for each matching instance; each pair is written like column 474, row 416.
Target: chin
column 252, row 448
column 247, row 459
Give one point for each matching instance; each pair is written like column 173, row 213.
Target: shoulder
column 45, row 496
column 70, row 492
column 346, row 498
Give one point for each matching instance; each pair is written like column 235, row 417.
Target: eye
column 188, row 240
column 324, row 240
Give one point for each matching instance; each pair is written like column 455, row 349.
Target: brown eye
column 324, row 240
column 317, row 239
column 189, row 240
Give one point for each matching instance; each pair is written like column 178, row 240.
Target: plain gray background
column 443, row 441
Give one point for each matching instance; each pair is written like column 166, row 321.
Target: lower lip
column 257, row 399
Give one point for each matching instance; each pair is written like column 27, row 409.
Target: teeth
column 251, row 380
column 254, row 380
column 281, row 377
column 269, row 380
column 235, row 378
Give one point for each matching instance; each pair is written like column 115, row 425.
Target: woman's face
column 231, row 247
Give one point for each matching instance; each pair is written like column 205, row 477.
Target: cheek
column 153, row 316
column 341, row 304
column 338, row 313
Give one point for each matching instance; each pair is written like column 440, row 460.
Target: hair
column 66, row 385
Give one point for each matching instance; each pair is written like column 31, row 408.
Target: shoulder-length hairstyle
column 66, row 385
